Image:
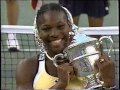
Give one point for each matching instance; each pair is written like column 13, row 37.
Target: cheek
column 43, row 36
column 66, row 32
column 66, row 36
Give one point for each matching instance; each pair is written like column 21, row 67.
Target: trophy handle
column 56, row 58
column 107, row 37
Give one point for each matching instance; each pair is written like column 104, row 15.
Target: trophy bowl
column 82, row 55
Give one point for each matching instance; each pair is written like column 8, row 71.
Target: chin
column 57, row 50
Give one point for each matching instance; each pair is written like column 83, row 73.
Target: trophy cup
column 82, row 55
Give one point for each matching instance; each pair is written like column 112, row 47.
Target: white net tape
column 86, row 30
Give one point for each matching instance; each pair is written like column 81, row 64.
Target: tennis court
column 29, row 46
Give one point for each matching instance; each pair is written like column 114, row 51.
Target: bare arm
column 26, row 70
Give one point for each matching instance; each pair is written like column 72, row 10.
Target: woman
column 53, row 25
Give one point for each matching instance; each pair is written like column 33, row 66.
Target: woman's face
column 54, row 31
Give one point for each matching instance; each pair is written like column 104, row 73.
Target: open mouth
column 56, row 42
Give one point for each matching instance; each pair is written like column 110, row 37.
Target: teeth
column 56, row 41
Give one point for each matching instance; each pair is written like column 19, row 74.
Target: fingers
column 67, row 69
column 100, row 63
column 103, row 59
column 106, row 58
column 103, row 64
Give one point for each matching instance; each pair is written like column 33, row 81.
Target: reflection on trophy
column 82, row 55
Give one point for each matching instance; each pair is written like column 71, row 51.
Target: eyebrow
column 60, row 22
column 45, row 25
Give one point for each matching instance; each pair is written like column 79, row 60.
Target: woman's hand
column 65, row 73
column 106, row 69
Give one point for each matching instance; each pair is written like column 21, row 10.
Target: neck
column 51, row 58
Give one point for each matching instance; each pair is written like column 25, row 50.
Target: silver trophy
column 82, row 55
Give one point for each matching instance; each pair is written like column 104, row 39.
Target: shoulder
column 26, row 70
column 29, row 63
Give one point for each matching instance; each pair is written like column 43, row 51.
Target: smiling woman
column 54, row 32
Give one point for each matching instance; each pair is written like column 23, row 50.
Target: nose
column 54, row 33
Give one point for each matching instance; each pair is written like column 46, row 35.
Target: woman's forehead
column 53, row 16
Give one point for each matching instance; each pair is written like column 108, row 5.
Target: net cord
column 109, row 30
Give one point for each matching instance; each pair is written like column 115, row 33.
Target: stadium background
column 26, row 17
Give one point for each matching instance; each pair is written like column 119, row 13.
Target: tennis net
column 29, row 48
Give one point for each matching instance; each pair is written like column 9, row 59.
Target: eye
column 46, row 28
column 60, row 27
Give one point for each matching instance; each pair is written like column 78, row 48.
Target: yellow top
column 45, row 81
